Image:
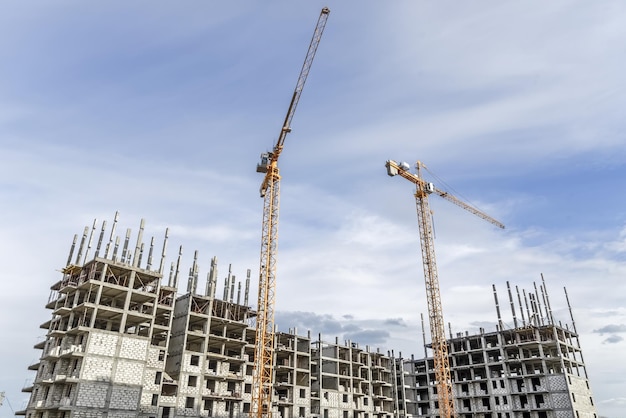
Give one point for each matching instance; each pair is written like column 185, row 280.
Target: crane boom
column 433, row 294
column 403, row 172
column 272, row 157
column 262, row 376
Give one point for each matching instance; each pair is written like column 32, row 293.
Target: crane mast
column 433, row 295
column 270, row 192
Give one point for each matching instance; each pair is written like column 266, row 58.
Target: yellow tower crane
column 262, row 377
column 433, row 295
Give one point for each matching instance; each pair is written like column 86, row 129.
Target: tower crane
column 262, row 376
column 433, row 295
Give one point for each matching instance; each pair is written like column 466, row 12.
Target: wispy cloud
column 613, row 339
column 611, row 329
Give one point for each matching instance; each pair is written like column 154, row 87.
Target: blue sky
column 160, row 111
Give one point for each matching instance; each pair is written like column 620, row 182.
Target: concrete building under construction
column 124, row 342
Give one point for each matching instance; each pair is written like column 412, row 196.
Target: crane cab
column 261, row 167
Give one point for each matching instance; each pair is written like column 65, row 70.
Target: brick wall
column 125, row 397
column 92, row 394
column 113, row 373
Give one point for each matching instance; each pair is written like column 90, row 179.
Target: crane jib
column 304, row 73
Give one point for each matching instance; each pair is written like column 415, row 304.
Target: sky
column 160, row 110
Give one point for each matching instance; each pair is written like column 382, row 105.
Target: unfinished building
column 534, row 369
column 123, row 342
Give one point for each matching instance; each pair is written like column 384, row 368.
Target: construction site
column 130, row 336
column 121, row 343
